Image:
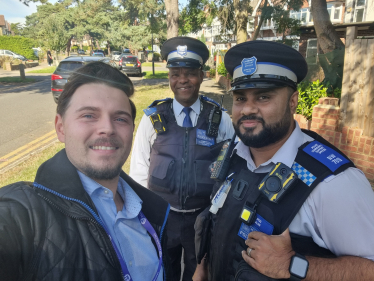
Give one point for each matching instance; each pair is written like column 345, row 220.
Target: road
column 27, row 112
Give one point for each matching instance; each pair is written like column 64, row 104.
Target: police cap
column 264, row 64
column 184, row 52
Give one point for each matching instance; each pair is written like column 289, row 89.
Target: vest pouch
column 203, row 182
column 245, row 272
column 161, row 174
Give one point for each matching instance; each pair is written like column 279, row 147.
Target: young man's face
column 97, row 129
column 185, row 84
column 263, row 116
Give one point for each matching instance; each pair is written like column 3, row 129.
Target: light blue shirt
column 130, row 236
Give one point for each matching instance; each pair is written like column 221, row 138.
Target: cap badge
column 182, row 50
column 249, row 65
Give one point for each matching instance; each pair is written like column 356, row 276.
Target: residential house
column 5, row 27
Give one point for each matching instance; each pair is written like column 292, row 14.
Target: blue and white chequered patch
column 303, row 174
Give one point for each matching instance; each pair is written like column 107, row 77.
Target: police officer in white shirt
column 176, row 141
column 297, row 208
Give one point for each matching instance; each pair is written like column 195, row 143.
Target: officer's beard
column 270, row 134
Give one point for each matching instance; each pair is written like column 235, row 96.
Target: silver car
column 115, row 55
column 8, row 53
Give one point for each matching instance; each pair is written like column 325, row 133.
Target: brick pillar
column 325, row 118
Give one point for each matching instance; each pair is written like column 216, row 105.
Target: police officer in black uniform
column 176, row 142
column 291, row 195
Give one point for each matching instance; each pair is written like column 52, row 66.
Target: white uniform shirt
column 146, row 135
column 338, row 214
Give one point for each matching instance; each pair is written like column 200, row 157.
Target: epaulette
column 152, row 107
column 209, row 100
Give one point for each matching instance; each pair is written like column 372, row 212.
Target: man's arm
column 271, row 256
column 141, row 151
column 225, row 130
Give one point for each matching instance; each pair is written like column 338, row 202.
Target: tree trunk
column 260, row 22
column 241, row 18
column 328, row 39
column 68, row 45
column 172, row 16
column 329, row 43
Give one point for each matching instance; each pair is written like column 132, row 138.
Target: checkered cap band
column 307, row 177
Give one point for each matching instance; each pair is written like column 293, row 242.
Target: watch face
column 299, row 267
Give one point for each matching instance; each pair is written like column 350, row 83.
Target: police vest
column 314, row 162
column 180, row 159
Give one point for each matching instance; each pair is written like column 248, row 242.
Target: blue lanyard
column 146, row 224
column 143, row 221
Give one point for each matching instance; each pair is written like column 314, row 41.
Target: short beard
column 270, row 134
column 106, row 173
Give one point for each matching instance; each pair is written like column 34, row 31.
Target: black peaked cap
column 267, row 51
column 192, row 44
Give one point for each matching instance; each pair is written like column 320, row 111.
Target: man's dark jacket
column 46, row 237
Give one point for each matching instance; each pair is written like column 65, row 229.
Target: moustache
column 251, row 117
column 106, row 141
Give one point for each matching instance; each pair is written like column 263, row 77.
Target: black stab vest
column 179, row 168
column 225, row 259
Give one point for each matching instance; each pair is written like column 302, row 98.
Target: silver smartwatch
column 298, row 267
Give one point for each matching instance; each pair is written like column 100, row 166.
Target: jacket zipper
column 184, row 191
column 95, row 221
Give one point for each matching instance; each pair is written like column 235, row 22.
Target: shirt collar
column 286, row 154
column 132, row 202
column 177, row 107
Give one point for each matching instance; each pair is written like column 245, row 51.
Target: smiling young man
column 174, row 161
column 83, row 218
column 297, row 208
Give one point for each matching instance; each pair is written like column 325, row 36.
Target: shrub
column 309, row 95
column 156, row 57
column 74, row 48
column 212, row 72
column 222, row 69
column 19, row 45
column 85, row 48
column 206, row 67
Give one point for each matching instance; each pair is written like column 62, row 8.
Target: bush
column 74, row 48
column 212, row 72
column 309, row 95
column 19, row 45
column 206, row 67
column 222, row 69
column 156, row 57
column 85, row 48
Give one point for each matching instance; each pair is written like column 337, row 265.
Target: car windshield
column 97, row 55
column 69, row 66
column 130, row 59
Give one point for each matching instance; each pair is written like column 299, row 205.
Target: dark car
column 130, row 65
column 62, row 73
column 98, row 51
column 81, row 52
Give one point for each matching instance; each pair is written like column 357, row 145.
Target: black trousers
column 181, row 234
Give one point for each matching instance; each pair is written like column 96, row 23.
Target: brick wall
column 351, row 141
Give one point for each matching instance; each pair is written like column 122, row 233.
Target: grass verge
column 49, row 69
column 26, row 171
column 158, row 75
column 150, row 64
column 16, row 80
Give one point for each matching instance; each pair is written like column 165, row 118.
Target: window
column 311, row 51
column 304, row 15
column 359, row 10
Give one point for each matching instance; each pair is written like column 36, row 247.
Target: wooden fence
column 357, row 99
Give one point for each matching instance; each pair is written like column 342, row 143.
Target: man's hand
column 271, row 254
column 201, row 272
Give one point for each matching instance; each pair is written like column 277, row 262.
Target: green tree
column 16, row 28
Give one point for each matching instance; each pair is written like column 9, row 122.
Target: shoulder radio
column 222, row 164
column 215, row 117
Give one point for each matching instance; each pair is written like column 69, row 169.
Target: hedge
column 19, row 45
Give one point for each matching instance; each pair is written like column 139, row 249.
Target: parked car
column 11, row 54
column 126, row 51
column 63, row 71
column 115, row 55
column 98, row 55
column 130, row 65
column 98, row 51
column 81, row 52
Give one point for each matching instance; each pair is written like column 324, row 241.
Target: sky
column 15, row 11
